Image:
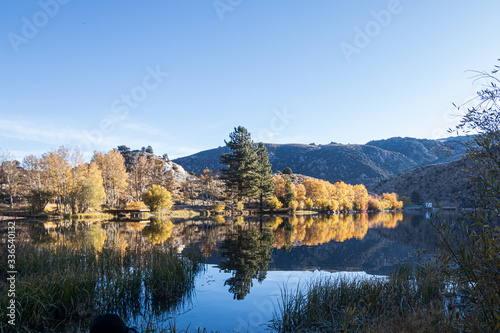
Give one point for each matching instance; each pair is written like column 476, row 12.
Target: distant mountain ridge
column 423, row 151
column 444, row 184
column 351, row 163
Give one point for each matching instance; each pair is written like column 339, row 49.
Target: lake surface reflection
column 248, row 260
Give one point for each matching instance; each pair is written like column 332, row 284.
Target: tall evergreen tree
column 289, row 197
column 240, row 176
column 265, row 181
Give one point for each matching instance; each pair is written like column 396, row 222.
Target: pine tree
column 289, row 197
column 240, row 175
column 265, row 181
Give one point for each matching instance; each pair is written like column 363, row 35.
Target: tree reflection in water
column 245, row 247
column 158, row 231
column 247, row 252
column 312, row 231
column 84, row 267
column 72, row 234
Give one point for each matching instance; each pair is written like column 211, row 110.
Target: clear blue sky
column 180, row 75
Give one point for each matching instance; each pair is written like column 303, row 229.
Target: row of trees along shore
column 74, row 186
column 248, row 175
column 122, row 177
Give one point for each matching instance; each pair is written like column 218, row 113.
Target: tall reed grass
column 58, row 287
column 408, row 301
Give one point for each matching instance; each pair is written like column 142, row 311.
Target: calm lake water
column 248, row 261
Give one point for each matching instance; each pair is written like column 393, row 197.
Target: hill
column 423, row 151
column 349, row 163
column 352, row 163
column 443, row 184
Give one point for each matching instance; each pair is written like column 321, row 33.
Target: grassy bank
column 183, row 213
column 409, row 301
column 60, row 289
column 93, row 216
column 305, row 212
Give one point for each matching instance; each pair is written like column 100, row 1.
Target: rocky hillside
column 165, row 165
column 423, row 151
column 355, row 164
column 443, row 184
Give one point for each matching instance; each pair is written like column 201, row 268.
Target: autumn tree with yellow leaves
column 76, row 185
column 89, row 191
column 335, row 197
column 157, row 198
column 58, row 170
column 114, row 175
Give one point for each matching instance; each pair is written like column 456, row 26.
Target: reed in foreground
column 408, row 301
column 60, row 289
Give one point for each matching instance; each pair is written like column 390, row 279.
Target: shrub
column 333, row 205
column 322, row 204
column 374, row 204
column 218, row 207
column 309, row 204
column 157, row 198
column 274, row 203
column 391, row 201
column 136, row 205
